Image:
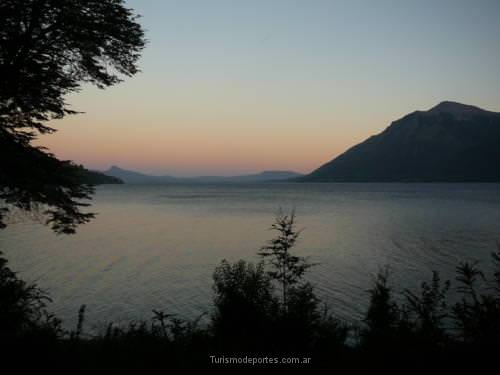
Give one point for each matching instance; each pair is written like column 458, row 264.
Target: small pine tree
column 383, row 315
column 287, row 269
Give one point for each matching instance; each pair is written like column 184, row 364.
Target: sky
column 233, row 87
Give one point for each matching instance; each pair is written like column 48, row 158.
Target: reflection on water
column 156, row 246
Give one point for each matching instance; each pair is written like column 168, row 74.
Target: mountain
column 131, row 177
column 265, row 176
column 451, row 142
column 98, row 178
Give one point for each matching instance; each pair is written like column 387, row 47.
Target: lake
column 156, row 246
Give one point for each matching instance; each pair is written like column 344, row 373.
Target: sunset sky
column 233, row 87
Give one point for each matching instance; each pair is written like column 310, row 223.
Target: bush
column 23, row 308
column 252, row 316
column 245, row 308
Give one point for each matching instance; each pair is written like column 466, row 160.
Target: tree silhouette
column 383, row 315
column 428, row 309
column 287, row 268
column 245, row 307
column 48, row 49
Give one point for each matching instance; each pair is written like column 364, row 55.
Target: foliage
column 286, row 268
column 249, row 316
column 477, row 314
column 383, row 315
column 32, row 179
column 245, row 306
column 23, row 308
column 428, row 311
column 48, row 49
column 415, row 326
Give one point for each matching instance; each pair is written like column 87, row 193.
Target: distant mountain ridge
column 131, row 177
column 451, row 142
column 98, row 178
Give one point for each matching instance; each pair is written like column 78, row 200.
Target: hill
column 451, row 142
column 131, row 177
column 98, row 178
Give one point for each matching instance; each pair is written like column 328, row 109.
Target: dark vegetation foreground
column 263, row 313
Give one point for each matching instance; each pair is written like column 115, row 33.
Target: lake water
column 155, row 247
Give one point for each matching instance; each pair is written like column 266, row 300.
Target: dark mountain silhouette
column 451, row 142
column 99, row 178
column 131, row 177
column 264, row 176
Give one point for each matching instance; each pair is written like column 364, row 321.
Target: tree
column 287, row 269
column 383, row 315
column 245, row 307
column 48, row 49
column 428, row 310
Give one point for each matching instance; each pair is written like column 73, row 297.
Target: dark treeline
column 267, row 310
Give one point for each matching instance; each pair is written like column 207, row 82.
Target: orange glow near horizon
column 234, row 133
column 231, row 87
column 189, row 148
column 124, row 129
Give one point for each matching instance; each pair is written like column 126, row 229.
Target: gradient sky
column 230, row 87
